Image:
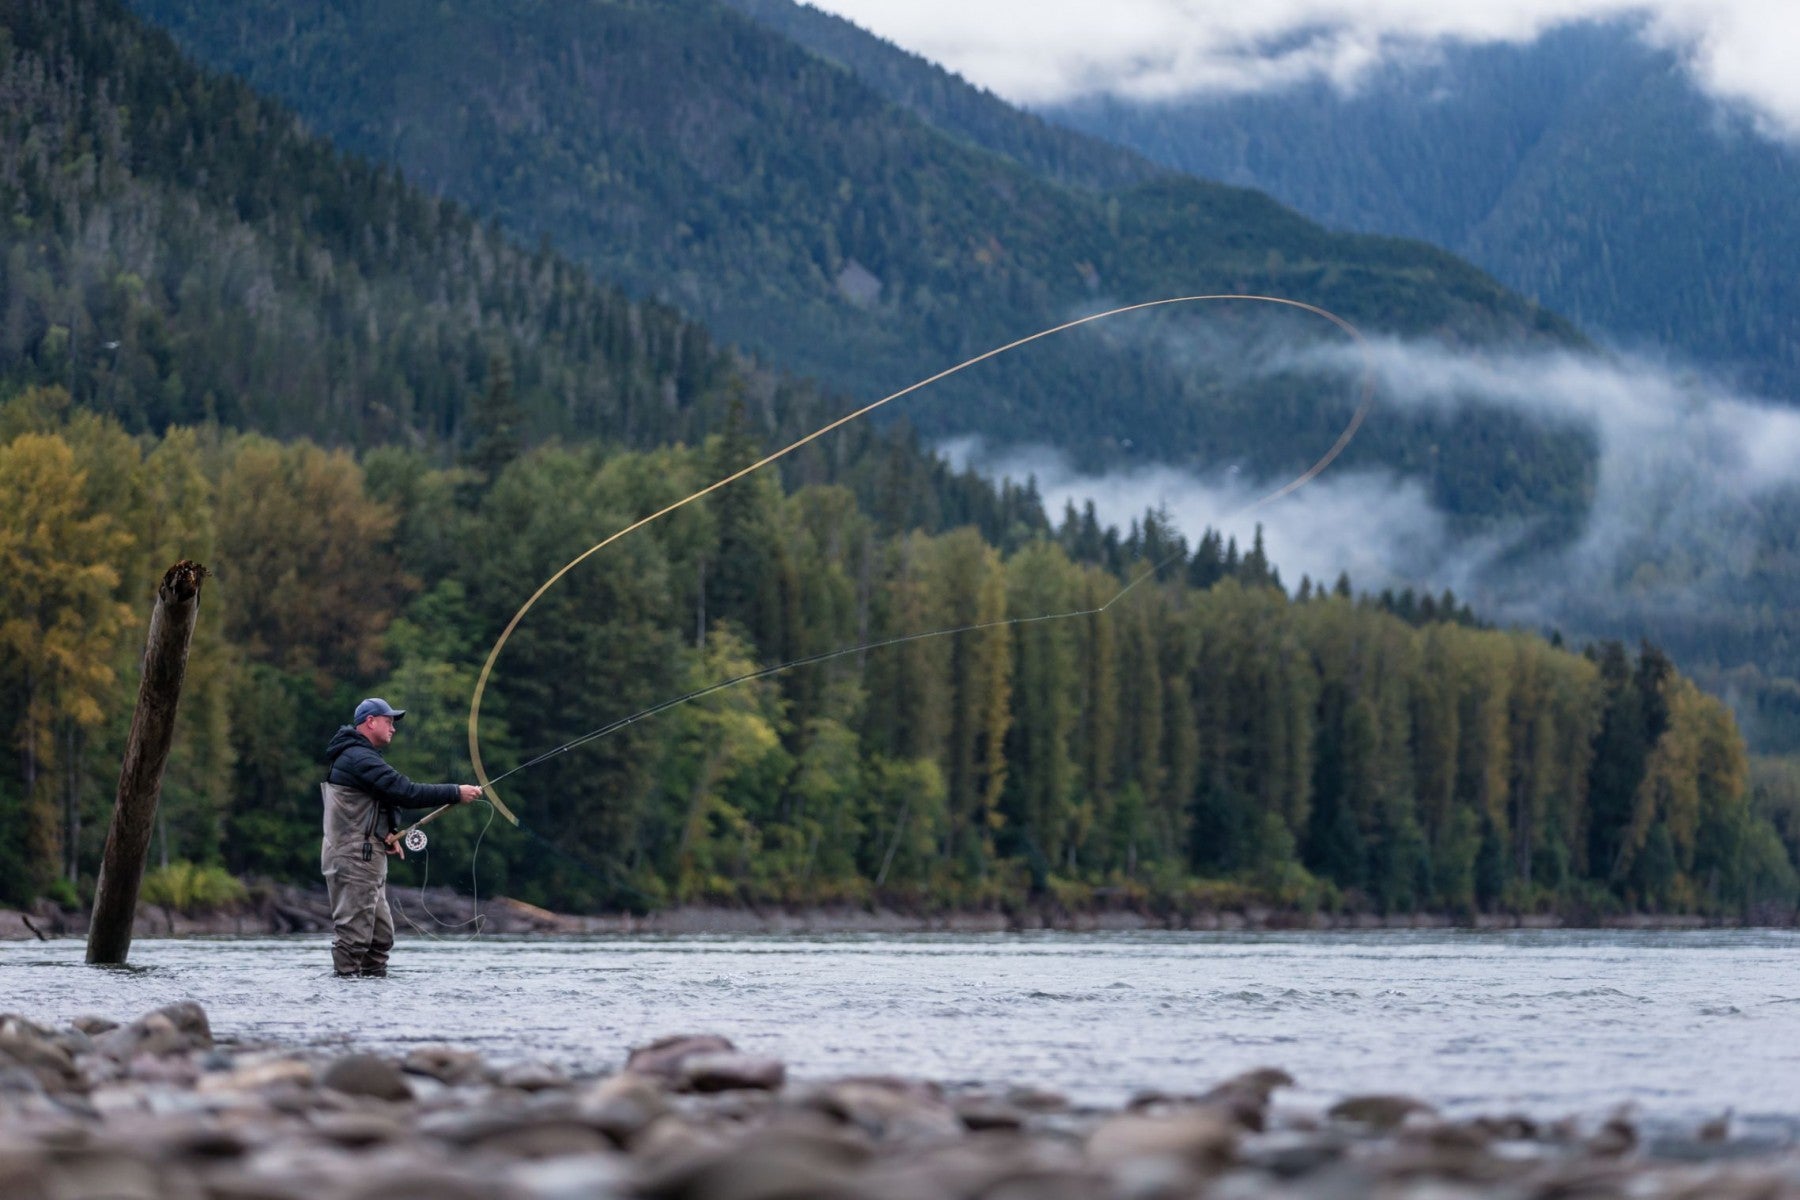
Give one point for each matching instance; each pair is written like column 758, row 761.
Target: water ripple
column 1685, row 1025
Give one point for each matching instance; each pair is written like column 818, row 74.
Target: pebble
column 1201, row 1139
column 544, row 1139
column 357, row 1130
column 1378, row 1112
column 664, row 1056
column 446, row 1064
column 167, row 1068
column 985, row 1112
column 19, row 1081
column 533, row 1077
column 151, row 1110
column 259, row 1075
column 1036, row 1099
column 622, row 1106
column 751, row 1170
column 1617, row 1137
column 176, row 1029
column 1291, row 1155
column 25, row 1048
column 723, row 1072
column 891, row 1109
column 14, row 1025
column 669, row 1139
column 414, row 1181
column 1246, row 1097
column 576, row 1177
column 366, row 1075
column 467, row 1126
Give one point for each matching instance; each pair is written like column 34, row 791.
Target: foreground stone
column 153, row 1109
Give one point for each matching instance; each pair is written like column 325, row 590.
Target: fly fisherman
column 362, row 829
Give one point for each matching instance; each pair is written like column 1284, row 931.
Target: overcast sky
column 1038, row 51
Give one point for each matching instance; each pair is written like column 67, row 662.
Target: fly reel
column 415, row 840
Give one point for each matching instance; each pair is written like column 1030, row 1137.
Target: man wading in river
column 362, row 795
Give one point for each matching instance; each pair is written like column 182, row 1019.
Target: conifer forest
column 382, row 420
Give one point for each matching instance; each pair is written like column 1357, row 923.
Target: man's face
column 378, row 729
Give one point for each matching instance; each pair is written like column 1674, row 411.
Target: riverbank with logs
column 286, row 909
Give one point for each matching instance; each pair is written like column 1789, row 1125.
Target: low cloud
column 1380, row 529
column 1048, row 51
column 1682, row 456
column 1686, row 474
column 1653, row 420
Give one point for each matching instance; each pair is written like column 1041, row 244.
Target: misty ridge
column 1683, row 524
column 1633, row 173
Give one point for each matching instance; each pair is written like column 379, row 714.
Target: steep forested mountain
column 951, row 104
column 1583, row 169
column 690, row 154
column 188, row 271
column 181, row 250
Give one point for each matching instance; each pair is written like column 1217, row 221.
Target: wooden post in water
column 146, row 753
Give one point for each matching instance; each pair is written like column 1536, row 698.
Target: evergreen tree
column 1620, row 750
column 496, row 422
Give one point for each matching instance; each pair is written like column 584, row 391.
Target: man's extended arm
column 371, row 773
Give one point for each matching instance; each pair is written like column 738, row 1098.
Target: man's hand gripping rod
column 413, row 836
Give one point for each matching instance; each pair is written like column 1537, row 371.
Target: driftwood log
column 146, row 753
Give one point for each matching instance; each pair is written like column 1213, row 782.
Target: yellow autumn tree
column 178, row 521
column 1691, row 807
column 307, row 577
column 60, row 620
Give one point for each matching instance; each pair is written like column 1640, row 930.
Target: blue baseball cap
column 375, row 707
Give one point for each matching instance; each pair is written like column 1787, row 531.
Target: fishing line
column 1343, row 440
column 826, row 656
column 477, row 919
column 1364, row 404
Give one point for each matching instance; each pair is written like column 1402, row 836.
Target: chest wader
column 353, row 858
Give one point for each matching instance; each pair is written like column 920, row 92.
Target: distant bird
column 111, row 345
column 1716, row 1130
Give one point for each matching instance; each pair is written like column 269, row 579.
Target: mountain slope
column 179, row 250
column 183, row 251
column 949, row 103
column 1582, row 169
column 689, row 154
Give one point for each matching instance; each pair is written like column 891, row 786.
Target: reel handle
column 413, row 836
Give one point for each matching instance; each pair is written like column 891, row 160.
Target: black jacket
column 357, row 764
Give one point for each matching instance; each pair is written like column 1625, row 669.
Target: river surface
column 1681, row 1025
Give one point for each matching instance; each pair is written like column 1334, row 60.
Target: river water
column 1682, row 1025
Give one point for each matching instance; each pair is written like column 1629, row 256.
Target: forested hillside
column 1583, row 169
column 1206, row 742
column 952, row 104
column 181, row 250
column 380, row 424
column 689, row 154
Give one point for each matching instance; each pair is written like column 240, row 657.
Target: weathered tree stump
column 146, row 753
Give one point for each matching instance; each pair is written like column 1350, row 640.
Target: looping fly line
column 1293, row 485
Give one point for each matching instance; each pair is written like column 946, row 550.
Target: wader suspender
column 376, row 808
